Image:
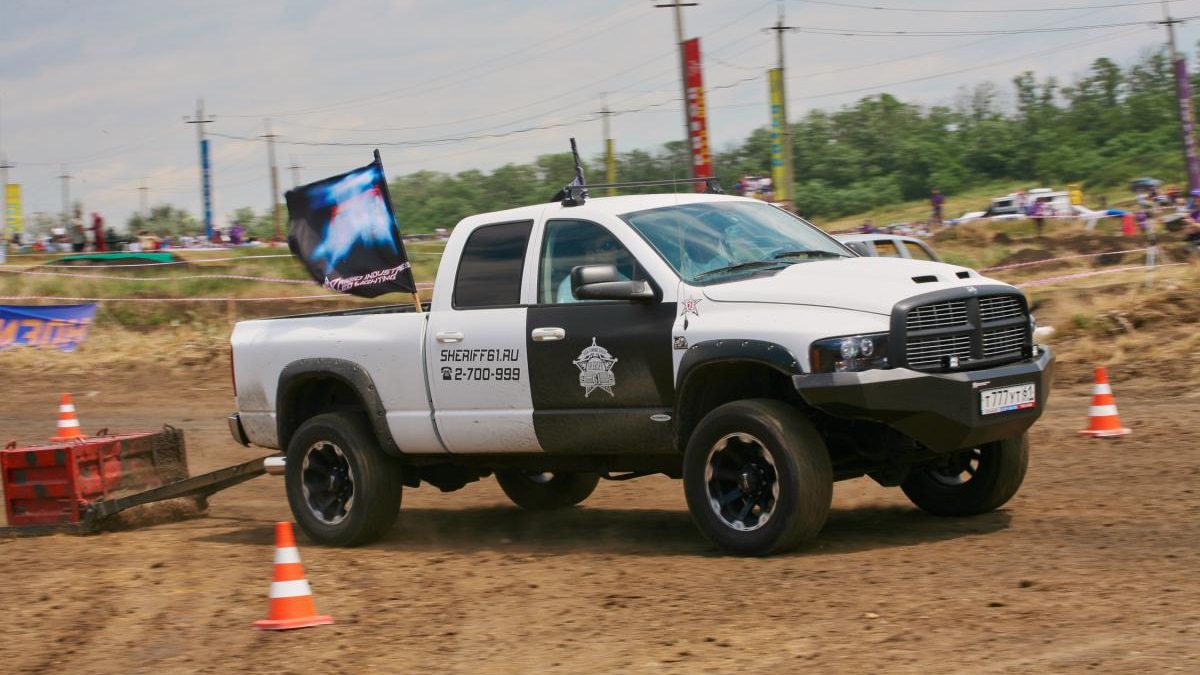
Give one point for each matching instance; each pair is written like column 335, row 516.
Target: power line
column 491, row 65
column 980, row 11
column 856, row 32
column 963, row 45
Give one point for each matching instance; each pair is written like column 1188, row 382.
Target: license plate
column 1004, row 399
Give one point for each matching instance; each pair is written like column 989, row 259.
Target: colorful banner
column 62, row 327
column 610, row 165
column 779, row 152
column 12, row 202
column 344, row 231
column 697, row 113
column 1187, row 118
column 206, row 189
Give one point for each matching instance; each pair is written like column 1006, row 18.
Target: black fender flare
column 770, row 354
column 349, row 373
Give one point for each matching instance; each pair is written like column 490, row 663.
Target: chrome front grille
column 939, row 315
column 1003, row 341
column 927, row 353
column 997, row 307
column 961, row 333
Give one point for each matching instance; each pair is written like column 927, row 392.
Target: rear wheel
column 757, row 477
column 970, row 481
column 545, row 490
column 343, row 490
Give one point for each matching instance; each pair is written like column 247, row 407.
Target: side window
column 489, row 272
column 572, row 243
column 919, row 252
column 886, row 248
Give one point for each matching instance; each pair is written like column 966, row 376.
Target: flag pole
column 387, row 197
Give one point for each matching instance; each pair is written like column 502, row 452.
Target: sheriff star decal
column 691, row 306
column 595, row 369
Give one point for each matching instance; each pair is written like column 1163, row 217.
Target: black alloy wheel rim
column 958, row 469
column 327, row 480
column 741, row 482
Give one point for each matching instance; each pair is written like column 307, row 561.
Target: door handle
column 449, row 336
column 548, row 334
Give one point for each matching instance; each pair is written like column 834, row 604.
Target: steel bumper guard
column 939, row 410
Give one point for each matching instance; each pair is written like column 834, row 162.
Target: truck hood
column 860, row 284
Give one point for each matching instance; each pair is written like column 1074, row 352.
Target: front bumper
column 939, row 410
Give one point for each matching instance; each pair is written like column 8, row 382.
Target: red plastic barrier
column 54, row 484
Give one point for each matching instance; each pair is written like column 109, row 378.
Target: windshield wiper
column 810, row 253
column 738, row 266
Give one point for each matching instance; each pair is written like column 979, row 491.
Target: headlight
column 849, row 354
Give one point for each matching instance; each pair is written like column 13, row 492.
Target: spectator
column 1037, row 211
column 937, row 200
column 98, row 232
column 237, row 234
column 1143, row 220
column 78, row 237
column 1191, row 234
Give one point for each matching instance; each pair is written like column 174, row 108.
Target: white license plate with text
column 1004, row 399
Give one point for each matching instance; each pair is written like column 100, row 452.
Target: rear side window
column 489, row 272
column 885, row 248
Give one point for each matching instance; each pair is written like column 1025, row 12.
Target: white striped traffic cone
column 291, row 598
column 68, row 424
column 1102, row 415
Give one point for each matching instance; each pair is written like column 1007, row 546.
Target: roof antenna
column 574, row 193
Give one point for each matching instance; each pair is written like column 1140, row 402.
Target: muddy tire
column 971, row 481
column 546, row 491
column 343, row 490
column 757, row 477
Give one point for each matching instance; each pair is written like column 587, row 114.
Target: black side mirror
column 603, row 282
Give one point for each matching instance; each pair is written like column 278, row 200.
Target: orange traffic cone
column 68, row 424
column 1102, row 415
column 291, row 598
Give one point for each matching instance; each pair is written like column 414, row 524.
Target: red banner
column 697, row 113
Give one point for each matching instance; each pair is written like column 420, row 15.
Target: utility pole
column 1187, row 114
column 205, row 171
column 4, row 167
column 142, row 193
column 295, row 172
column 274, row 182
column 687, row 120
column 610, row 161
column 66, row 197
column 786, row 176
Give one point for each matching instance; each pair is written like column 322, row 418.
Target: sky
column 102, row 91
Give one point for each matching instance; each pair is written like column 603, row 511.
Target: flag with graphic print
column 344, row 231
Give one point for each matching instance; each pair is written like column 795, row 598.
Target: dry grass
column 1130, row 320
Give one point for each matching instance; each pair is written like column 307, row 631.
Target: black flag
column 344, row 230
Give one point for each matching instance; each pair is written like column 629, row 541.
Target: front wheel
column 544, row 490
column 970, row 481
column 757, row 477
column 343, row 489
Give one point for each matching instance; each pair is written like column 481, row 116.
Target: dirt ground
column 1090, row 569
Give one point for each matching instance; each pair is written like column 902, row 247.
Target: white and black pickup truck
column 712, row 338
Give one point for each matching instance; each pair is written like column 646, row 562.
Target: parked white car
column 883, row 245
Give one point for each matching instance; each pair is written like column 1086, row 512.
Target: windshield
column 713, row 241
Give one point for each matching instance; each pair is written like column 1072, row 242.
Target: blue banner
column 63, row 327
column 206, row 187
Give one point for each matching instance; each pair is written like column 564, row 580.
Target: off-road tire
column 757, row 477
column 546, row 491
column 971, row 481
column 347, row 470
